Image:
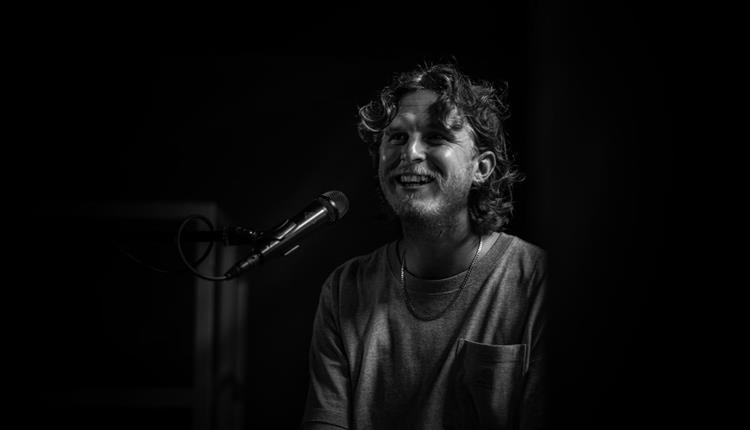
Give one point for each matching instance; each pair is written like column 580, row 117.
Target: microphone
column 283, row 239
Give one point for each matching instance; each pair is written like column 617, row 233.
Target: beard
column 434, row 211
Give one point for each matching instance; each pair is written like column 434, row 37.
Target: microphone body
column 284, row 239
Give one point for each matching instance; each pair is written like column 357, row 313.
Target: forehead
column 416, row 102
column 414, row 108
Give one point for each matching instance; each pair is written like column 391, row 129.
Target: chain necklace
column 409, row 303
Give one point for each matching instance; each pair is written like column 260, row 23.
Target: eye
column 397, row 138
column 436, row 138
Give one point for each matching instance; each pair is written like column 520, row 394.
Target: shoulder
column 365, row 266
column 356, row 281
column 525, row 259
column 526, row 252
column 517, row 269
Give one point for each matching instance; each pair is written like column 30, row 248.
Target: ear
column 486, row 162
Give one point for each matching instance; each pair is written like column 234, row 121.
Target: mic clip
column 238, row 236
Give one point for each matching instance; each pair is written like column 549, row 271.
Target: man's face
column 425, row 170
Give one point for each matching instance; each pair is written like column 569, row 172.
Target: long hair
column 478, row 102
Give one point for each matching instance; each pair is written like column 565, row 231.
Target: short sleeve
column 534, row 402
column 329, row 388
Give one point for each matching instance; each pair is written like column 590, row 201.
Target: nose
column 414, row 149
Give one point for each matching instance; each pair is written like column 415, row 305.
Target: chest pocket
column 489, row 384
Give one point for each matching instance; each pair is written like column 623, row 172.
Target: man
column 442, row 329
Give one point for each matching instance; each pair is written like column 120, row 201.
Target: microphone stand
column 228, row 236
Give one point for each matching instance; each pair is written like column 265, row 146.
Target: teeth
column 414, row 179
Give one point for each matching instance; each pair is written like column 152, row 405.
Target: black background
column 262, row 120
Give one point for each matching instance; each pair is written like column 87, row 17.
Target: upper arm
column 328, row 392
column 534, row 400
column 321, row 426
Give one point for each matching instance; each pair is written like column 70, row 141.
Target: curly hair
column 478, row 102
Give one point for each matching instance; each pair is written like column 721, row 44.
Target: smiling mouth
column 413, row 180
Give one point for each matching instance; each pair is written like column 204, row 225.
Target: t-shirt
column 374, row 365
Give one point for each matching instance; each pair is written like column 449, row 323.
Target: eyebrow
column 432, row 126
column 448, row 126
column 391, row 128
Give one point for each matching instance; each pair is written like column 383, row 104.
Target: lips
column 413, row 180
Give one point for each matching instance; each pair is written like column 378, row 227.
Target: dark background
column 263, row 121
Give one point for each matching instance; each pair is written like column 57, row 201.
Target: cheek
column 443, row 157
column 383, row 161
column 387, row 155
column 445, row 153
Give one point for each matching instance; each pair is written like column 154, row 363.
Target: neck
column 436, row 250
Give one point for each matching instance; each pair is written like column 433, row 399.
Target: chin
column 416, row 209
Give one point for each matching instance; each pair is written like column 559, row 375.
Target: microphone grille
column 339, row 202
